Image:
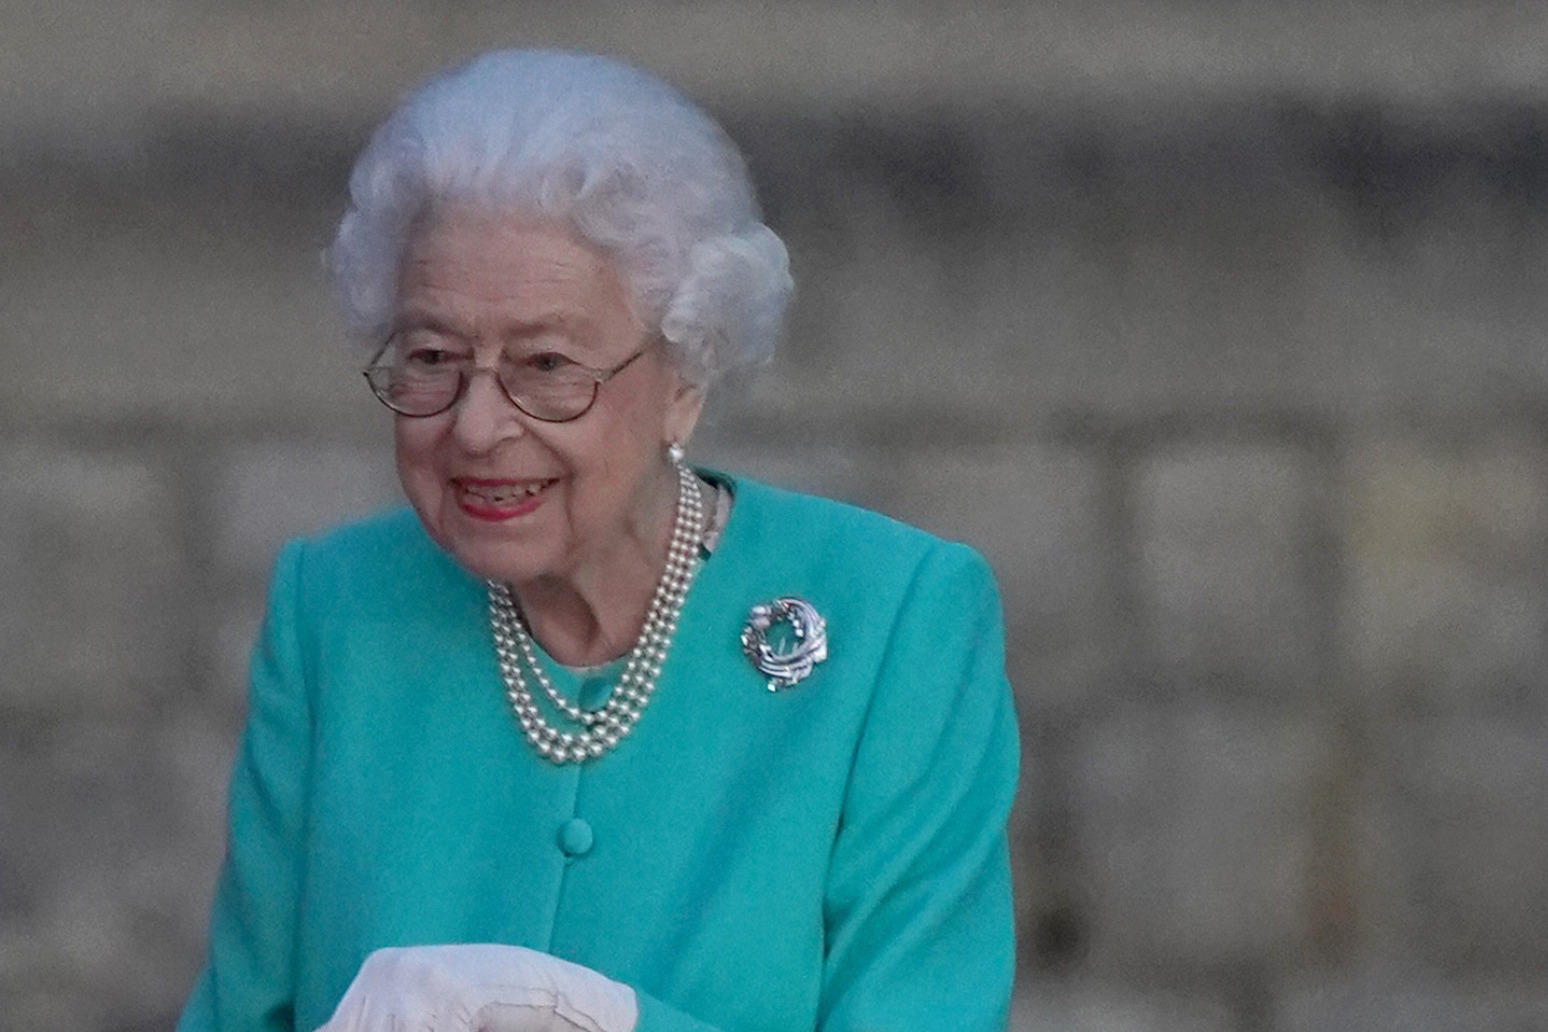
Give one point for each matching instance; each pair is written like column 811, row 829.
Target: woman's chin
column 498, row 550
column 504, row 566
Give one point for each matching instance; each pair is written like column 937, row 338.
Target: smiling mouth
column 500, row 495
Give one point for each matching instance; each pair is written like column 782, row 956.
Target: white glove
column 480, row 988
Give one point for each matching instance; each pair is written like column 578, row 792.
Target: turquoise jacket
column 826, row 858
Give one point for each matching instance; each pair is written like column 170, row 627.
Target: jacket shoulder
column 385, row 558
column 392, row 530
column 839, row 531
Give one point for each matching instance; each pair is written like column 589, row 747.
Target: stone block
column 884, row 320
column 269, row 492
column 1033, row 888
column 1414, row 1005
column 136, row 309
column 231, row 648
column 1195, row 837
column 1090, row 1006
column 113, row 836
column 1036, row 514
column 97, row 597
column 1225, row 583
column 1460, row 832
column 1446, row 551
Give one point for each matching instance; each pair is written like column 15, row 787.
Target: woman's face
column 513, row 498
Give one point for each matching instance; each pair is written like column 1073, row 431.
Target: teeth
column 500, row 494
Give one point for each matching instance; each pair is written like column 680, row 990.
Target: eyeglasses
column 423, row 380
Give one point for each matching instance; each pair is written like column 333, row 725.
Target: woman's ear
column 682, row 414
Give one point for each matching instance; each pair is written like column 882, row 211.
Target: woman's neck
column 594, row 614
column 587, row 624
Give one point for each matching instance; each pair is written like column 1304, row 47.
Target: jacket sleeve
column 919, row 916
column 918, row 913
column 247, row 984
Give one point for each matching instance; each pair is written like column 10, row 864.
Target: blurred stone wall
column 1218, row 330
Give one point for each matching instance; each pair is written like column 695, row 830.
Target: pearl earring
column 675, row 454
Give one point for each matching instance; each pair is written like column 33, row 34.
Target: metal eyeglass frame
column 464, row 376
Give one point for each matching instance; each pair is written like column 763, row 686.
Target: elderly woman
column 590, row 739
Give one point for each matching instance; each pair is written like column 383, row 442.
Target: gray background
column 1216, row 325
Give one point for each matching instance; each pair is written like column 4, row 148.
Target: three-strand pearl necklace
column 598, row 731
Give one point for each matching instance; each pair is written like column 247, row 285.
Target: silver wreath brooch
column 792, row 660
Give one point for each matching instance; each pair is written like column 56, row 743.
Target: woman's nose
column 484, row 416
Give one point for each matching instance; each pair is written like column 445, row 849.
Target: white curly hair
column 637, row 169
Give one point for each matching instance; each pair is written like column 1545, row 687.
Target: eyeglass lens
column 553, row 394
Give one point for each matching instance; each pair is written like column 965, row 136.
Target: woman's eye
column 547, row 362
column 428, row 356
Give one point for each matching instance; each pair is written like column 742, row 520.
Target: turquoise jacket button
column 575, row 837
